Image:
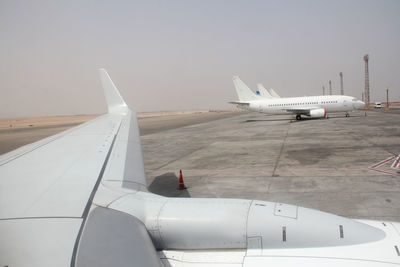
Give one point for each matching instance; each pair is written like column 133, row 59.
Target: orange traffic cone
column 181, row 185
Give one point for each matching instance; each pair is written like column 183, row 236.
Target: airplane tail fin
column 263, row 91
column 114, row 99
column 244, row 93
column 273, row 93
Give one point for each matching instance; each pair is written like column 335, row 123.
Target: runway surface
column 326, row 164
column 338, row 165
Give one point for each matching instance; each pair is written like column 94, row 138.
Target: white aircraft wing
column 47, row 189
column 240, row 103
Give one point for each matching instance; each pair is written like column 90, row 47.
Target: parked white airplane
column 312, row 106
column 79, row 198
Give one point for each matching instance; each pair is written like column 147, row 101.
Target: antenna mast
column 341, row 83
column 366, row 90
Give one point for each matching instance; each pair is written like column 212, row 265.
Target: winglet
column 115, row 102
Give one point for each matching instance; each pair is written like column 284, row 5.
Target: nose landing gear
column 347, row 115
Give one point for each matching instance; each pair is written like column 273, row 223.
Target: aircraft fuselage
column 299, row 105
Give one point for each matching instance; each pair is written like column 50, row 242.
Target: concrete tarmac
column 338, row 165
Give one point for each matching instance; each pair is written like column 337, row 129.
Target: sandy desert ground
column 21, row 131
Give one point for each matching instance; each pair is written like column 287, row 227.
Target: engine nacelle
column 211, row 224
column 318, row 113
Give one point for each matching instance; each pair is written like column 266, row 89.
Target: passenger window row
column 304, row 103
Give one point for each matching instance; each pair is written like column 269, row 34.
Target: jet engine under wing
column 301, row 111
column 47, row 188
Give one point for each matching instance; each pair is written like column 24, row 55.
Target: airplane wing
column 47, row 188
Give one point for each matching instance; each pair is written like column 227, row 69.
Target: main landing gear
column 347, row 115
column 298, row 117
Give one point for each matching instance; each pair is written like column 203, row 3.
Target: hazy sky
column 174, row 55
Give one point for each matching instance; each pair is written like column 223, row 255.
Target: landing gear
column 347, row 115
column 298, row 117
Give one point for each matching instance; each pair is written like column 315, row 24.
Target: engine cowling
column 318, row 113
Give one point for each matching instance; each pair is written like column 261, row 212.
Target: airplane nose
column 360, row 104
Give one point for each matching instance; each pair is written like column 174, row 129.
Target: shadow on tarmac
column 267, row 120
column 166, row 185
column 306, row 118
